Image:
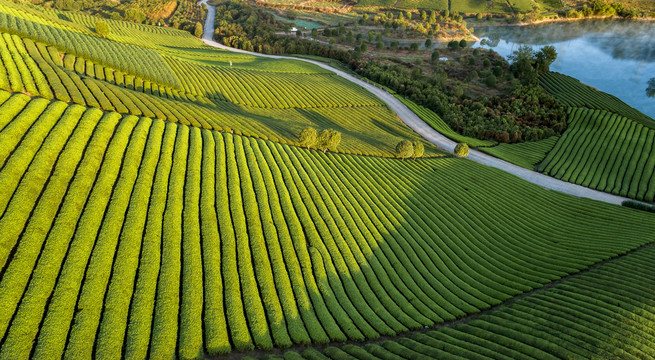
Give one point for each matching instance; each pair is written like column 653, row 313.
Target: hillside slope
column 149, row 237
column 138, row 220
column 168, row 74
column 577, row 318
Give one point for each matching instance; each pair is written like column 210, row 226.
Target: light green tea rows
column 607, row 152
column 134, row 237
column 577, row 319
column 572, row 92
column 526, row 154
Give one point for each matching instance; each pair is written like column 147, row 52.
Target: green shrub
column 329, row 139
column 308, row 137
column 462, row 150
column 419, row 149
column 638, row 205
column 404, row 149
column 103, row 29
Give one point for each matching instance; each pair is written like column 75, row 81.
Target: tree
column 329, row 139
column 314, row 33
column 462, row 44
column 404, row 149
column 198, row 30
column 521, row 63
column 103, row 29
column 419, row 149
column 414, row 47
column 433, row 17
column 308, row 137
column 435, row 56
column 545, row 57
column 650, row 90
column 453, row 44
column 298, row 33
column 491, row 80
column 462, row 150
column 428, row 43
column 379, row 45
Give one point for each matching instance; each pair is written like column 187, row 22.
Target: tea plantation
column 154, row 203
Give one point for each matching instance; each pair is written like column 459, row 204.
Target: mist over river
column 615, row 56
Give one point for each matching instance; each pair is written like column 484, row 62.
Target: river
column 615, row 56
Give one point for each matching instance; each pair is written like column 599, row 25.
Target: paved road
column 423, row 129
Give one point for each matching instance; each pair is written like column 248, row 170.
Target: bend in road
column 427, row 132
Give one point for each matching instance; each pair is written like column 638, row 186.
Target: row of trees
column 406, row 149
column 327, row 139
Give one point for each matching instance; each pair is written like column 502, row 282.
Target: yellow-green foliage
column 143, row 299
column 165, row 322
column 119, row 293
column 404, row 149
column 302, row 247
column 462, row 150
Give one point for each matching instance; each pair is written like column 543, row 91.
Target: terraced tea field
column 607, row 152
column 164, row 210
column 190, row 84
column 574, row 319
column 149, row 237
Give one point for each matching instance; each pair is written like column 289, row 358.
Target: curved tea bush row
column 157, row 37
column 136, row 60
column 18, row 71
column 438, row 124
column 366, row 130
column 527, row 154
column 604, row 313
column 572, row 92
column 607, row 152
column 92, row 70
column 126, row 237
column 268, row 89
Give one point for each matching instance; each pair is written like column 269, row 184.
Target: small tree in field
column 103, row 29
column 404, row 149
column 329, row 139
column 308, row 137
column 198, row 30
column 462, row 150
column 419, row 149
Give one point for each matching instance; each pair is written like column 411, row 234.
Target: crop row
column 169, row 105
column 572, row 92
column 20, row 20
column 438, row 124
column 526, row 154
column 157, row 37
column 270, row 90
column 132, row 237
column 92, row 70
column 50, row 74
column 18, row 71
column 580, row 318
column 607, row 152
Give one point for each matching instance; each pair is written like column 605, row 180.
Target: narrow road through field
column 423, row 129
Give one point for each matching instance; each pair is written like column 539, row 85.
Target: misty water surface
column 617, row 57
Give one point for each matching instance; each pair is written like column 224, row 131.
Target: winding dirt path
column 423, row 129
